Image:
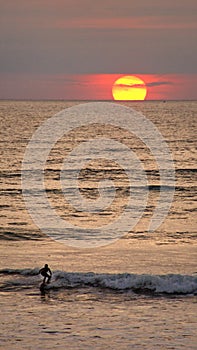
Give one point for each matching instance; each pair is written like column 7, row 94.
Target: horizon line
column 93, row 100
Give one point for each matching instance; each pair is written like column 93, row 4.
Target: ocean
column 121, row 245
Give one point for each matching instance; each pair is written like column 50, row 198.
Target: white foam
column 170, row 284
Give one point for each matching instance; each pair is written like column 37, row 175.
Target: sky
column 77, row 49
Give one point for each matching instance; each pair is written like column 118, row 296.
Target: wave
column 171, row 284
column 19, row 234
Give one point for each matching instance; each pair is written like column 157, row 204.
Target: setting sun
column 129, row 88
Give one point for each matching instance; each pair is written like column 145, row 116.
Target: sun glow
column 129, row 88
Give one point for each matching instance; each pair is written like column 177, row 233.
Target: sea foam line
column 169, row 283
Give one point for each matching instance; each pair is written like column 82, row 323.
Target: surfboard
column 42, row 287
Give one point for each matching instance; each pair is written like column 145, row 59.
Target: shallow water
column 131, row 300
column 136, row 293
column 83, row 319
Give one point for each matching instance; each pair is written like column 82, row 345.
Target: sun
column 129, row 88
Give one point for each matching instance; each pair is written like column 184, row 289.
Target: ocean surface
column 126, row 288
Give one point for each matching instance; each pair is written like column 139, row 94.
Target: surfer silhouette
column 46, row 273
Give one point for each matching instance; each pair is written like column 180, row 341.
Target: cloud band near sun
column 95, row 86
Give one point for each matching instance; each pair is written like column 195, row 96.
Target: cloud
column 92, row 86
column 69, row 14
column 159, row 83
column 151, row 84
column 122, row 23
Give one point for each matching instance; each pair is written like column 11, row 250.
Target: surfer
column 46, row 273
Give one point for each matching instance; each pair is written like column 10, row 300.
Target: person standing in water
column 46, row 273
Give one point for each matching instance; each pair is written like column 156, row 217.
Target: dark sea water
column 130, row 288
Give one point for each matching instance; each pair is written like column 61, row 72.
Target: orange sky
column 76, row 49
column 165, row 87
column 95, row 86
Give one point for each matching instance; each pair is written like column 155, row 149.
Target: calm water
column 136, row 293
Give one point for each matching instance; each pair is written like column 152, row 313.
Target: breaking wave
column 171, row 284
